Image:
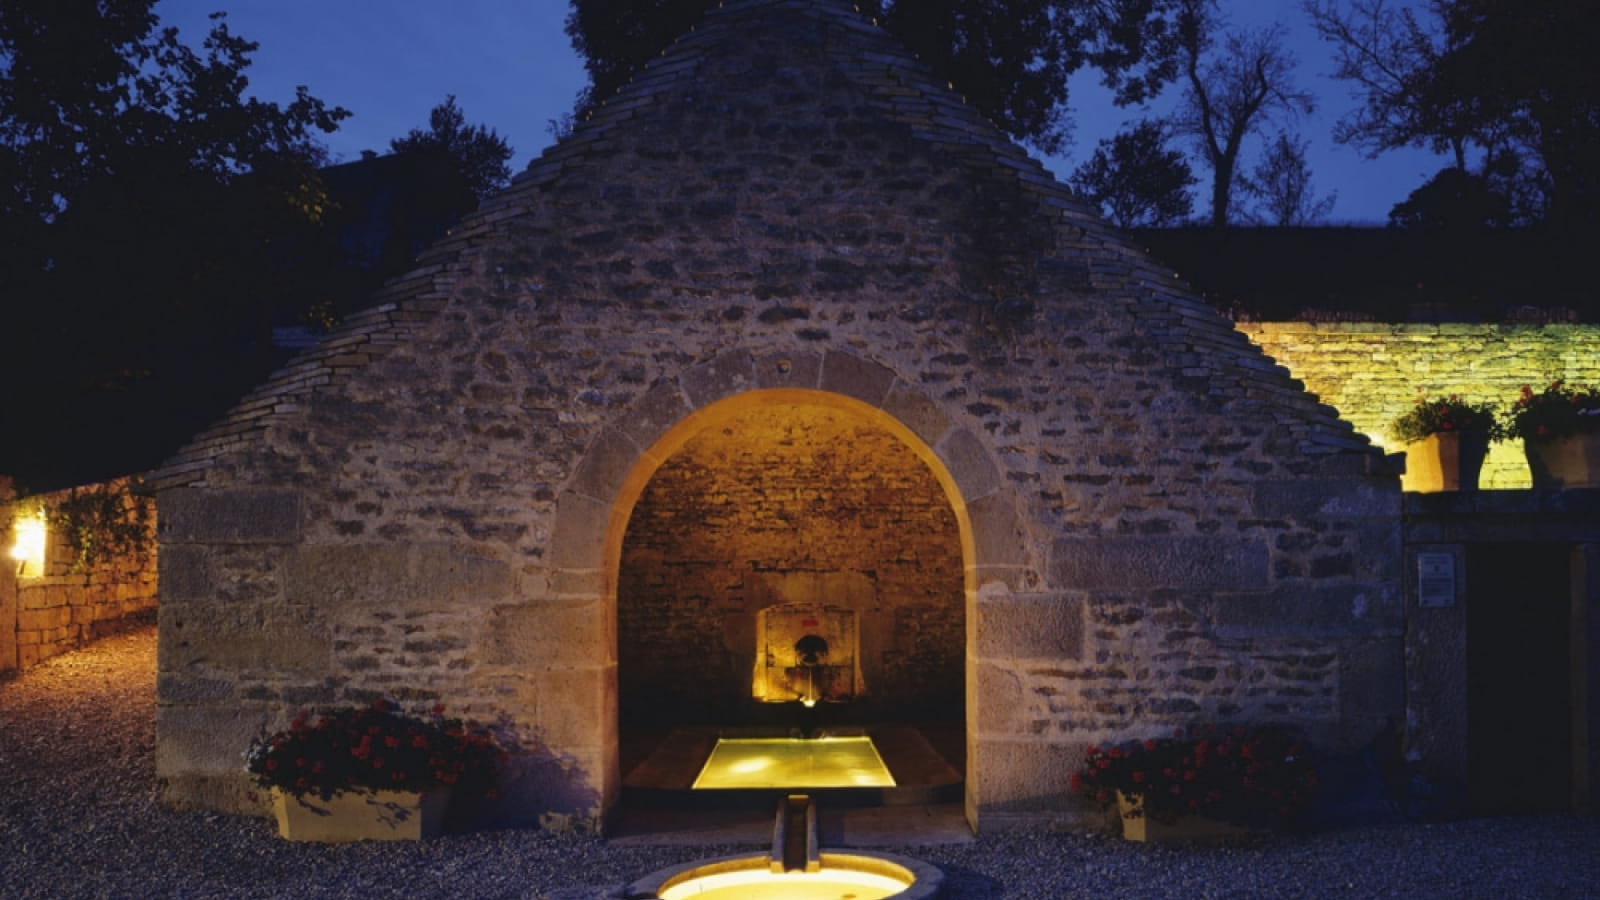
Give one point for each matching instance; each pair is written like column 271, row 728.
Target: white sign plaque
column 1436, row 579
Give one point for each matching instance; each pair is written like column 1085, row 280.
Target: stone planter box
column 1186, row 829
column 371, row 816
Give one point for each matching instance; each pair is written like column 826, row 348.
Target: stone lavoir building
column 786, row 338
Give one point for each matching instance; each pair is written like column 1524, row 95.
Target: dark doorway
column 1519, row 678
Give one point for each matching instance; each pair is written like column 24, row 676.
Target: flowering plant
column 1555, row 412
column 375, row 747
column 1252, row 776
column 1443, row 415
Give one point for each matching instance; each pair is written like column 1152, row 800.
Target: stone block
column 1029, row 626
column 723, row 376
column 204, row 739
column 1179, row 561
column 798, row 369
column 604, row 466
column 660, row 408
column 913, row 409
column 396, row 577
column 186, row 573
column 182, row 688
column 1306, row 611
column 1024, row 776
column 577, row 707
column 1324, row 498
column 843, row 373
column 969, row 464
column 579, row 537
column 1371, row 686
column 997, row 535
column 997, row 700
column 546, row 634
column 227, row 643
column 237, row 516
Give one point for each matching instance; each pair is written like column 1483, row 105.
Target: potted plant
column 1446, row 441
column 1240, row 776
column 1560, row 431
column 371, row 771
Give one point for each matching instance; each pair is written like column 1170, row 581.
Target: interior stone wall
column 788, row 504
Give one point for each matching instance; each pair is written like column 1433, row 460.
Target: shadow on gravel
column 966, row 884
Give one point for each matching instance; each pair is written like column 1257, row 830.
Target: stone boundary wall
column 1371, row 371
column 48, row 612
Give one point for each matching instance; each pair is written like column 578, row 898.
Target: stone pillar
column 1436, row 665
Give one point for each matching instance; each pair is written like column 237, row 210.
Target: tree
column 1230, row 92
column 153, row 219
column 1527, row 68
column 1135, row 180
column 1010, row 58
column 477, row 154
column 1282, row 183
column 1453, row 199
column 1487, row 82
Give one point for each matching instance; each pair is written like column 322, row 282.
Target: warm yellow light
column 28, row 545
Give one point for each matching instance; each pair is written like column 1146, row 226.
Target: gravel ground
column 79, row 819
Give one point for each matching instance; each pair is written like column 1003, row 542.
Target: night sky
column 512, row 68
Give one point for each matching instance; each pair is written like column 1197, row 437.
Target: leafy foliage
column 1253, row 776
column 1441, row 415
column 1557, row 411
column 1011, row 59
column 376, row 747
column 1136, row 180
column 1510, row 90
column 153, row 221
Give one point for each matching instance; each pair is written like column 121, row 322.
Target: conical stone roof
column 782, row 155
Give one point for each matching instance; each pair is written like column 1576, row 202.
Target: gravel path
column 78, row 819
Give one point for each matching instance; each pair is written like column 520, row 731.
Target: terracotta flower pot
column 1446, row 461
column 1566, row 462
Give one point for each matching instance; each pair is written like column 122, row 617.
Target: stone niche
column 801, row 506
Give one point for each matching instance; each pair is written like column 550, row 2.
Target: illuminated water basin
column 843, row 876
column 823, row 762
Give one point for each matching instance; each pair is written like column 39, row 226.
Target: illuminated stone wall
column 50, row 606
column 1371, row 372
column 789, row 504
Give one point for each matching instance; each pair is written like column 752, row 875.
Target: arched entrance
column 782, row 509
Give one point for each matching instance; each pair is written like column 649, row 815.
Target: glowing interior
column 825, row 762
column 831, row 883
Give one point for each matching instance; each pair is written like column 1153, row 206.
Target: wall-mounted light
column 28, row 545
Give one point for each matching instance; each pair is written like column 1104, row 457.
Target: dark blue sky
column 511, row 67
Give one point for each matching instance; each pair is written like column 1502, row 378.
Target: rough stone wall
column 69, row 603
column 789, row 505
column 1156, row 524
column 1372, row 372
